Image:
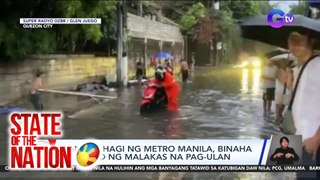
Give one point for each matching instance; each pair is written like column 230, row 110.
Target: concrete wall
column 62, row 72
column 140, row 27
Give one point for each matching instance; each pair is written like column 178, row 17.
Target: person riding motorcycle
column 171, row 87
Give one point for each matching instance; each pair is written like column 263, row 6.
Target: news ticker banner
column 87, row 153
column 35, row 143
column 49, row 22
column 189, row 168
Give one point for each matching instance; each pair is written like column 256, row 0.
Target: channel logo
column 88, row 154
column 277, row 18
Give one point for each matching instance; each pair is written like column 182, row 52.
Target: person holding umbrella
column 302, row 38
column 269, row 77
column 282, row 93
column 306, row 96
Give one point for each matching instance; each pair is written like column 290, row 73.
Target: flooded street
column 224, row 103
column 219, row 104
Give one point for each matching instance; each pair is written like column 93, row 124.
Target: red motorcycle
column 154, row 98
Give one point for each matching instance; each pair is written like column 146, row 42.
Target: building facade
column 147, row 36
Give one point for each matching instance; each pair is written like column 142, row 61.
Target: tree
column 243, row 8
column 299, row 8
column 88, row 9
column 231, row 13
column 191, row 18
column 205, row 30
column 16, row 42
column 176, row 9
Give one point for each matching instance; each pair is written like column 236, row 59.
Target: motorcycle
column 154, row 98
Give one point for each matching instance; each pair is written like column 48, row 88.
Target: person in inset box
column 284, row 154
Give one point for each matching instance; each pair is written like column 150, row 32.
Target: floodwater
column 219, row 103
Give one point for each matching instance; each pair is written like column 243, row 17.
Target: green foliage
column 191, row 18
column 299, row 8
column 265, row 7
column 229, row 16
column 243, row 8
column 16, row 42
column 88, row 9
column 229, row 33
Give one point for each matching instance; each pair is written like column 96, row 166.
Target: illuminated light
column 256, row 81
column 245, row 81
column 245, row 64
column 256, row 63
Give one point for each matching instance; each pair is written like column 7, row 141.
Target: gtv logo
column 277, row 18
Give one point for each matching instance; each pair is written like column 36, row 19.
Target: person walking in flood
column 269, row 84
column 184, row 71
column 139, row 70
column 191, row 65
column 35, row 97
column 168, row 67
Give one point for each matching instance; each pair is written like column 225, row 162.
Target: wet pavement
column 219, row 103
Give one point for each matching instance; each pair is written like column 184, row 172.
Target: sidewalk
column 68, row 104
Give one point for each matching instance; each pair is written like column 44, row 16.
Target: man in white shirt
column 306, row 105
column 269, row 84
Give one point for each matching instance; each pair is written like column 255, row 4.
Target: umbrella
column 313, row 3
column 275, row 52
column 8, row 110
column 283, row 60
column 257, row 28
column 287, row 57
column 163, row 55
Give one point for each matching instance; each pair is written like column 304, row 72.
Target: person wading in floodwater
column 184, row 71
column 168, row 67
column 35, row 98
column 139, row 70
column 269, row 84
